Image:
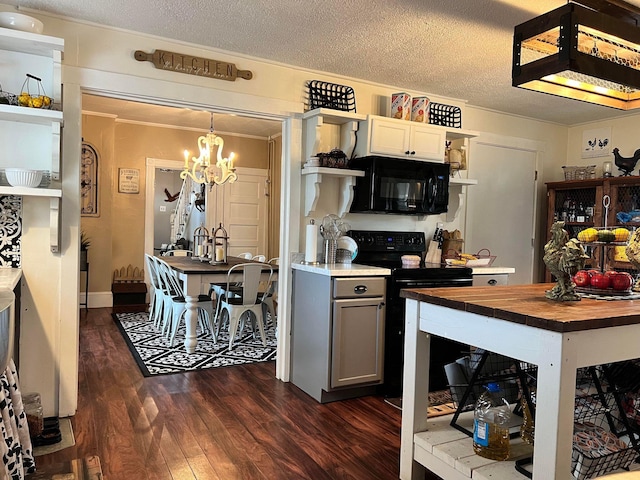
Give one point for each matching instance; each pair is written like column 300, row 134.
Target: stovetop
column 386, row 248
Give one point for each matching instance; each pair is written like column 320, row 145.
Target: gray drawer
column 491, row 280
column 355, row 287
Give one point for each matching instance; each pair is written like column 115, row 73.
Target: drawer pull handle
column 493, row 281
column 360, row 289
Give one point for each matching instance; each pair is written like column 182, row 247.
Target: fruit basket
column 481, row 259
column 604, row 235
column 34, row 96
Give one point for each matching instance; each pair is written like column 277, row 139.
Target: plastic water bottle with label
column 490, row 425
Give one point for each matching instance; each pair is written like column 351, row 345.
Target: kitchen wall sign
column 128, row 180
column 199, row 66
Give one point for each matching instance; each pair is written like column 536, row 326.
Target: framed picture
column 596, row 143
column 128, row 180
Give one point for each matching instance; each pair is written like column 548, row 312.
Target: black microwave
column 400, row 186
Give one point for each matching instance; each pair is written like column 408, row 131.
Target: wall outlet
column 163, row 208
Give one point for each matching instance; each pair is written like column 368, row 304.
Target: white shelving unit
column 314, row 176
column 457, row 195
column 15, row 41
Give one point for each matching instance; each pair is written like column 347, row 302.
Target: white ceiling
column 452, row 48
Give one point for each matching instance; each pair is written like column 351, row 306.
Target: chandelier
column 204, row 169
column 582, row 53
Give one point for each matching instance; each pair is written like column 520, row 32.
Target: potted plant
column 85, row 243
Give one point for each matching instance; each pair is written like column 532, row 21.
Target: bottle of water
column 490, row 430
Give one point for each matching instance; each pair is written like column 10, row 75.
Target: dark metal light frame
column 605, row 71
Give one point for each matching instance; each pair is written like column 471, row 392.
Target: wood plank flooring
column 223, row 423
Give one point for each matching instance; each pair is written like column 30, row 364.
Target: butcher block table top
column 526, row 304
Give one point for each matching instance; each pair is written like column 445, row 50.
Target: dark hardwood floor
column 223, row 423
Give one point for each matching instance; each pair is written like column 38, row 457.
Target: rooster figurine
column 563, row 258
column 626, row 164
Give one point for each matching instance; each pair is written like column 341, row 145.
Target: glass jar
column 33, row 410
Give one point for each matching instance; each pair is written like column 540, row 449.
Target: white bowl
column 18, row 21
column 21, row 177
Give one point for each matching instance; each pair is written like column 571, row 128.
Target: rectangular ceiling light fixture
column 579, row 53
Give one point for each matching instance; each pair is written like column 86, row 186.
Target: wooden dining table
column 196, row 274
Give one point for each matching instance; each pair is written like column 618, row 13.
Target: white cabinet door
column 399, row 138
column 389, row 137
column 427, row 143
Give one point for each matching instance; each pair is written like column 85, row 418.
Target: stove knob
column 370, row 240
column 419, row 240
column 409, row 240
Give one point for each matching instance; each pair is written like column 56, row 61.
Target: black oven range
column 385, row 249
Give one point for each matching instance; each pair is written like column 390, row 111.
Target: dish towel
column 15, row 447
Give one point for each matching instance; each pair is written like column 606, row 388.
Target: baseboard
column 97, row 299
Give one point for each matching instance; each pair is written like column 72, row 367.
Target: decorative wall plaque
column 199, row 66
column 89, row 181
column 128, row 180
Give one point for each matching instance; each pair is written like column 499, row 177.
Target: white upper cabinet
column 403, row 139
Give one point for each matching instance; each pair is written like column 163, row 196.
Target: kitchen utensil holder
column 330, row 95
column 330, row 250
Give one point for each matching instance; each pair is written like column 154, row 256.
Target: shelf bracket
column 346, row 195
column 348, row 137
column 456, row 202
column 54, row 224
column 312, row 192
column 314, row 124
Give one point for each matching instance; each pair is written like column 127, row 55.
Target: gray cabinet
column 337, row 345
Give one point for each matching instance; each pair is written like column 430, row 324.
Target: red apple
column 581, row 278
column 621, row 281
column 593, row 272
column 610, row 273
column 600, row 280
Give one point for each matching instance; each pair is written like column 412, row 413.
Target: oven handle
column 435, row 284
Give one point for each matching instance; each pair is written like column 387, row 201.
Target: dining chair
column 247, row 301
column 268, row 293
column 155, row 307
column 245, row 255
column 259, row 258
column 177, row 306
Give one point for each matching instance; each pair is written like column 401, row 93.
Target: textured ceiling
column 455, row 48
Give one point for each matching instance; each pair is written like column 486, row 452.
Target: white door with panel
column 241, row 207
column 501, row 207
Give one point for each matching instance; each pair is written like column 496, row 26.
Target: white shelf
column 38, row 116
column 31, row 43
column 337, row 172
column 462, row 181
column 334, row 117
column 31, row 192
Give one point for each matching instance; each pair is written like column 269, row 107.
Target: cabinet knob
column 413, row 152
column 407, row 152
column 380, row 305
column 493, row 281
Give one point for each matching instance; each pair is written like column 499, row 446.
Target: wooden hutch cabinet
column 580, row 204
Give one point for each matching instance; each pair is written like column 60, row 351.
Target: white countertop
column 9, row 277
column 493, row 270
column 342, row 270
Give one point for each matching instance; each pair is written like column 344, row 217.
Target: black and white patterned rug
column 155, row 356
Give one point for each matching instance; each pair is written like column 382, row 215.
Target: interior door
column 501, row 207
column 242, row 208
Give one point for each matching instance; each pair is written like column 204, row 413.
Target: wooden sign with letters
column 202, row 67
